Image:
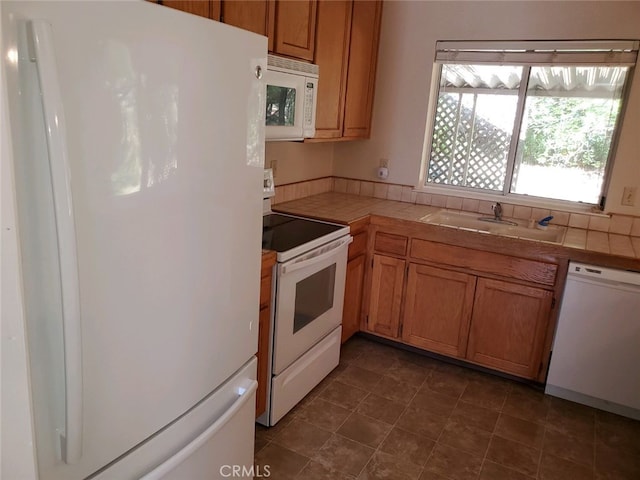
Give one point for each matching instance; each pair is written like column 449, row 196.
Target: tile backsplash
column 293, row 191
column 616, row 224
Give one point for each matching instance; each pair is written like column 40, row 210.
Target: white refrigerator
column 135, row 137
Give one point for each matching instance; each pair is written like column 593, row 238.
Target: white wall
column 297, row 161
column 407, row 47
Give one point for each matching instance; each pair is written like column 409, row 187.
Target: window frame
column 573, row 51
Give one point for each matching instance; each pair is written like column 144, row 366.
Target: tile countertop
column 583, row 245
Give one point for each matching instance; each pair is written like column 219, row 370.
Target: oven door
column 309, row 298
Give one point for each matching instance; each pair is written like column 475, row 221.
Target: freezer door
column 212, row 440
column 164, row 140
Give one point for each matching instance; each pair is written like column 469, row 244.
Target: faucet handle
column 545, row 221
column 497, row 211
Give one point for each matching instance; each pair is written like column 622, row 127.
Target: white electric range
column 308, row 298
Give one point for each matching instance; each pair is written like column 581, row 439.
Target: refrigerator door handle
column 244, row 395
column 44, row 56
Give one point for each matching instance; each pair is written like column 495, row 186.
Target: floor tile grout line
column 539, row 464
column 543, row 420
column 394, row 425
column 544, row 436
column 351, row 412
column 437, row 442
column 336, row 433
column 571, row 460
column 595, row 440
column 493, row 432
column 303, row 467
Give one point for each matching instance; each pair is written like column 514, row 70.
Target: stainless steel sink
column 506, row 228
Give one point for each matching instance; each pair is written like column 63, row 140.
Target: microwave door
column 285, row 104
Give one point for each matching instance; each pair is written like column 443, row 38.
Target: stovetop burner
column 283, row 232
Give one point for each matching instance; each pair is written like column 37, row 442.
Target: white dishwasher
column 596, row 350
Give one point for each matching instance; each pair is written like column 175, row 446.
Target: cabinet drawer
column 488, row 262
column 389, row 243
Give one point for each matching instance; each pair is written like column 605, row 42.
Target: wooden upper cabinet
column 340, row 36
column 295, row 28
column 508, row 326
column 363, row 55
column 290, row 25
column 387, row 281
column 254, row 15
column 438, row 309
column 208, row 9
column 347, row 37
column 333, row 32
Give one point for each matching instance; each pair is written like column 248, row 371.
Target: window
column 528, row 118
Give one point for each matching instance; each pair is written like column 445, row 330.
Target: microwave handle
column 285, row 269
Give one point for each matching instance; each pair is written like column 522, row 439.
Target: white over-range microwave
column 292, row 94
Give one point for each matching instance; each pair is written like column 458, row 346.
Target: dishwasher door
column 596, row 350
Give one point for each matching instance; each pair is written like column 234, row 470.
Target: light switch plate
column 629, row 196
column 269, row 187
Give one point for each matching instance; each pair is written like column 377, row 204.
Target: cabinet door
column 253, row 15
column 202, row 8
column 508, row 326
column 353, row 297
column 264, row 333
column 438, row 309
column 295, row 28
column 386, row 295
column 363, row 54
column 333, row 30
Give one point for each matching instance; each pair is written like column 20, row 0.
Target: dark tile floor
column 385, row 413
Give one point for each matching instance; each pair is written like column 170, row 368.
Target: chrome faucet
column 497, row 211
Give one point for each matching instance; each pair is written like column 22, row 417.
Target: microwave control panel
column 309, row 93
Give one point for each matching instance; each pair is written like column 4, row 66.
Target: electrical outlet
column 629, row 196
column 384, row 163
column 274, row 167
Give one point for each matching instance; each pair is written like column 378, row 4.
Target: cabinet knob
column 258, row 72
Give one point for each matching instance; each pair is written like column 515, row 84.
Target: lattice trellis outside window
column 466, row 149
column 531, row 118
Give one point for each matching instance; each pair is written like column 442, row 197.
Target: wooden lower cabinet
column 508, row 326
column 438, row 308
column 352, row 310
column 484, row 307
column 387, row 281
column 353, row 290
column 263, row 363
column 264, row 330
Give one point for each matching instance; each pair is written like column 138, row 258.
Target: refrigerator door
column 223, row 440
column 164, row 149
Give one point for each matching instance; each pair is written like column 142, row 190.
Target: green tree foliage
column 571, row 132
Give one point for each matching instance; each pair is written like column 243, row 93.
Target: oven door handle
column 285, row 269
